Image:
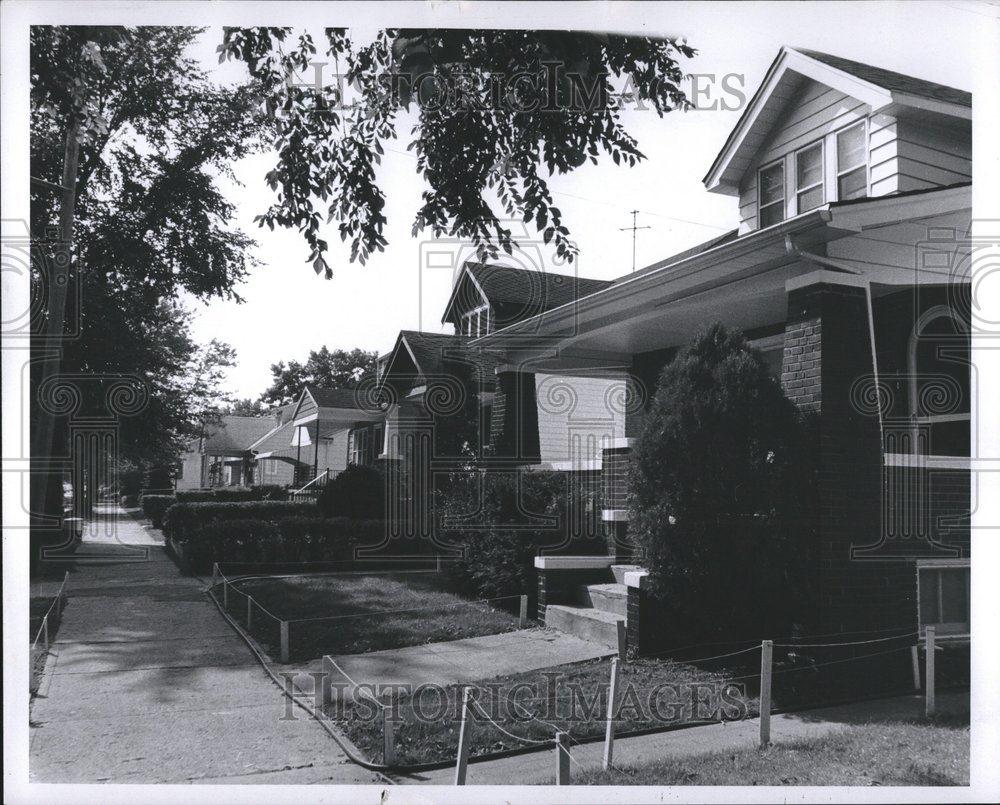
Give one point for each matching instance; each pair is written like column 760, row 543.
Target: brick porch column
column 828, row 348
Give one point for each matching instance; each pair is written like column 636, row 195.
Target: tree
column 493, row 107
column 153, row 135
column 718, row 493
column 325, row 368
column 247, row 407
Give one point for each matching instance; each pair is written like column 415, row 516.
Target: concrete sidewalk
column 540, row 767
column 146, row 683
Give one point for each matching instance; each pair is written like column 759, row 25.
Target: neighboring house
column 222, row 456
column 848, row 269
column 313, row 437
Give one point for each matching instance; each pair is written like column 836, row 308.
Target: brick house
column 848, row 269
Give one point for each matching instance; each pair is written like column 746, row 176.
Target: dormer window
column 852, row 167
column 809, row 177
column 772, row 194
column 476, row 322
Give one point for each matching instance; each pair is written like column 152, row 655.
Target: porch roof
column 738, row 280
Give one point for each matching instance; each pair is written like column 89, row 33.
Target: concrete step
column 594, row 625
column 619, row 571
column 605, row 597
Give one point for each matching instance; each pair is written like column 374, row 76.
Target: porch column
column 826, row 361
column 514, row 422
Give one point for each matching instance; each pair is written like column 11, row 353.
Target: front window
column 944, row 597
column 852, row 165
column 772, row 194
column 357, row 446
column 809, row 177
column 476, row 322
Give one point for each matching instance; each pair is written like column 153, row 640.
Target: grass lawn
column 568, row 697
column 435, row 613
column 891, row 753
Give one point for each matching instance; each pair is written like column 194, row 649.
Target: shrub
column 296, row 539
column 357, row 492
column 182, row 518
column 718, row 493
column 155, row 506
column 129, row 501
column 501, row 520
column 269, row 492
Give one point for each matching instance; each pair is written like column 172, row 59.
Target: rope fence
column 48, row 621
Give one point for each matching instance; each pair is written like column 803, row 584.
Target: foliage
column 182, row 519
column 719, row 493
column 155, row 506
column 232, row 494
column 324, row 368
column 152, row 225
column 500, row 520
column 492, row 107
column 247, row 407
column 296, row 538
column 359, row 492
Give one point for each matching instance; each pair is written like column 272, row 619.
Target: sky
column 289, row 310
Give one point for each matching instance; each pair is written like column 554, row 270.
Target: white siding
column 575, row 415
column 933, row 155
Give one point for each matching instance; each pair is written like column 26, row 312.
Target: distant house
column 222, row 456
column 848, row 269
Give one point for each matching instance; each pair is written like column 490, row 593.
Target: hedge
column 289, row 539
column 182, row 518
column 155, row 506
column 233, row 494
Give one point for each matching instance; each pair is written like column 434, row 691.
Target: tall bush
column 358, row 492
column 155, row 507
column 720, row 504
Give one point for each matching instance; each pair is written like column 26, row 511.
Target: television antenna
column 633, row 229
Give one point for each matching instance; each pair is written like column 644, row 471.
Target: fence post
column 929, row 702
column 326, row 688
column 215, row 573
column 915, row 663
column 249, row 612
column 284, row 641
column 766, row 647
column 388, row 732
column 225, row 593
column 609, row 731
column 45, row 629
column 462, row 760
column 622, row 639
column 523, row 619
column 439, row 563
column 562, row 758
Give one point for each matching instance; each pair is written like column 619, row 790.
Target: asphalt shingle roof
column 334, row 398
column 893, row 81
column 541, row 290
column 236, row 433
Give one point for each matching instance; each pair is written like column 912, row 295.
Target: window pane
column 851, row 148
column 772, row 184
column 928, row 598
column 772, row 214
column 810, row 199
column 953, row 596
column 853, row 184
column 809, row 167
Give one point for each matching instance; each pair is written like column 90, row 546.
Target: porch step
column 619, row 571
column 594, row 625
column 611, row 598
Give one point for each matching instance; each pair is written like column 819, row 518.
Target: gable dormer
column 488, row 297
column 822, row 129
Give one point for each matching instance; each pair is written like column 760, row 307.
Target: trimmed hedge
column 290, row 539
column 155, row 507
column 182, row 518
column 233, row 494
column 359, row 492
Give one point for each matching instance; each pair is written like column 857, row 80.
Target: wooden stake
column 215, row 573
column 225, row 593
column 915, row 662
column 249, row 612
column 326, row 687
column 766, row 648
column 622, row 639
column 388, row 732
column 462, row 759
column 523, row 619
column 929, row 703
column 284, row 641
column 562, row 758
column 45, row 629
column 609, row 731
